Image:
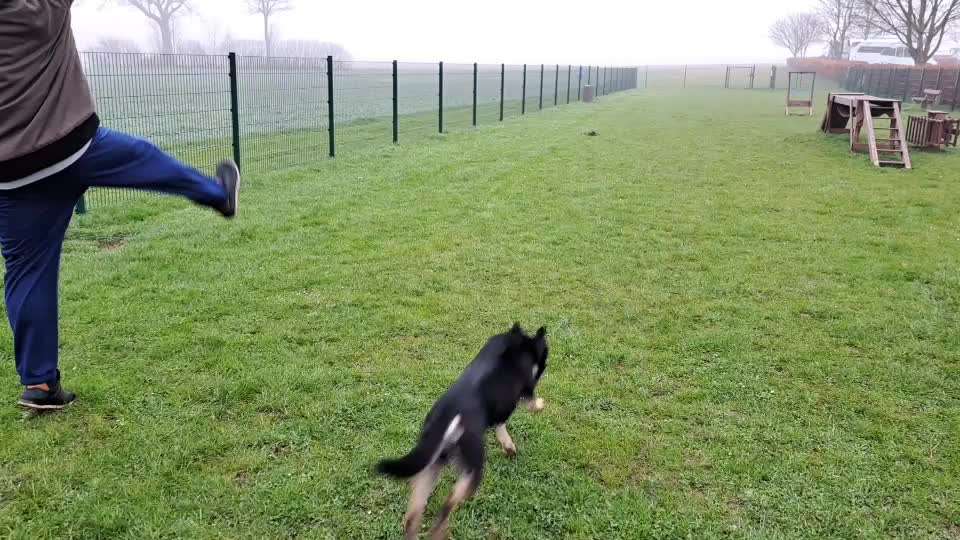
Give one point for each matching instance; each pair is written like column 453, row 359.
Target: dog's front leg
column 506, row 442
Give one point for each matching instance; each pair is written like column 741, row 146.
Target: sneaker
column 228, row 174
column 43, row 400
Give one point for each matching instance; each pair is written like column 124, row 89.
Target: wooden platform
column 863, row 117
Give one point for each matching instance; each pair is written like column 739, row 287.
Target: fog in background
column 494, row 31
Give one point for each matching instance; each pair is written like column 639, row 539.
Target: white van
column 880, row 52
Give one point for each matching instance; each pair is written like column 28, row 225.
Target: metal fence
column 906, row 82
column 271, row 113
column 731, row 76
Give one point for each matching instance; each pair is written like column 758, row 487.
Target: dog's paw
column 411, row 526
column 439, row 532
column 510, row 451
column 537, row 405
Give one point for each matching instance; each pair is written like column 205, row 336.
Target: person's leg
column 118, row 160
column 33, row 222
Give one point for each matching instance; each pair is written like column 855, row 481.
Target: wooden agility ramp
column 875, row 126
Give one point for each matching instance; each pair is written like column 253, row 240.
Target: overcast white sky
column 516, row 31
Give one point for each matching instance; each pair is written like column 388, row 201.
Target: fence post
column 726, row 79
column 684, row 76
column 474, row 94
column 330, row 117
column 753, row 77
column 556, row 84
column 773, row 77
column 503, row 74
column 646, row 76
column 569, row 73
column 234, row 109
column 541, row 87
column 440, row 115
column 396, row 117
column 523, row 92
column 580, row 81
column 956, row 90
column 906, row 85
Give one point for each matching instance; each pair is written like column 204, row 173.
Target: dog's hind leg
column 421, row 486
column 472, row 456
column 506, row 442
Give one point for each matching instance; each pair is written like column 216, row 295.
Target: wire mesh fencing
column 180, row 102
column 363, row 103
column 418, row 100
column 281, row 96
column 277, row 112
column 457, row 96
column 727, row 76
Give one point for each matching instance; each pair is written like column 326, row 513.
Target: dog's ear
column 540, row 341
column 516, row 329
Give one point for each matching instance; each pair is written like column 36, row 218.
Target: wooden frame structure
column 793, row 101
column 863, row 116
column 839, row 110
column 936, row 131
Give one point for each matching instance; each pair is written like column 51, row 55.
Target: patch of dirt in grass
column 111, row 245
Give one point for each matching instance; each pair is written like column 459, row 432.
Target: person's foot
column 228, row 174
column 42, row 399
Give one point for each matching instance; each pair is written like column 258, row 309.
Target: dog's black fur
column 504, row 373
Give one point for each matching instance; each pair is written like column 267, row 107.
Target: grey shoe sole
column 229, row 176
column 37, row 407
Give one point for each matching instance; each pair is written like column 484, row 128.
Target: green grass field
column 754, row 335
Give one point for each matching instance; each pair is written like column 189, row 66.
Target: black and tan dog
column 504, row 373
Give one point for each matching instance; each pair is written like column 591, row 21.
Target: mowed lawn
column 754, row 335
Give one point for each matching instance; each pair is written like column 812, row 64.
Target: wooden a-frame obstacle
column 863, row 116
column 794, row 79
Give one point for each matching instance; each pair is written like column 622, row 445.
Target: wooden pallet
column 936, row 131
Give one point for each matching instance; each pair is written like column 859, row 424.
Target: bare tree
column 797, row 32
column 267, row 9
column 837, row 17
column 866, row 24
column 918, row 24
column 162, row 13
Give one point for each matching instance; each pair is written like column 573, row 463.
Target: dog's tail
column 432, row 443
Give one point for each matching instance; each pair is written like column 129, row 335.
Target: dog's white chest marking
column 536, row 369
